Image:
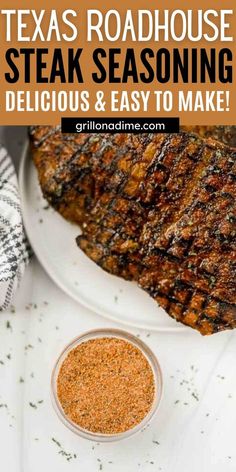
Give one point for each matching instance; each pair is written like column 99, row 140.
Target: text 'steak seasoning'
column 106, row 385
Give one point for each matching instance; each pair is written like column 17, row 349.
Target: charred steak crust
column 158, row 209
column 224, row 134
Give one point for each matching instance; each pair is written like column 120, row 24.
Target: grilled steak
column 158, row 209
column 225, row 134
column 173, row 229
column 71, row 165
column 72, row 168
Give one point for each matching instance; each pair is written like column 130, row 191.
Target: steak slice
column 72, row 167
column 184, row 301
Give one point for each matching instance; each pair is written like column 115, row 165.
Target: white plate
column 53, row 241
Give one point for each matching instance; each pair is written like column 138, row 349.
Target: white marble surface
column 195, row 426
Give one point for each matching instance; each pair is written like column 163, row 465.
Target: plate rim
column 168, row 329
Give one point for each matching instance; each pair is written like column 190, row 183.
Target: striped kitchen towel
column 14, row 247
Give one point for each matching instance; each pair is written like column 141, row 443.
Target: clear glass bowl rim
column 105, row 333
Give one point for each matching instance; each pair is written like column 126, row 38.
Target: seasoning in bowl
column 106, row 385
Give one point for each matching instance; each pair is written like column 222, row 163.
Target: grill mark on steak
column 224, row 134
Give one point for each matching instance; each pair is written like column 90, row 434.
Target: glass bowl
column 146, row 351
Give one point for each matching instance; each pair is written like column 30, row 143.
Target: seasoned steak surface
column 158, row 209
column 225, row 134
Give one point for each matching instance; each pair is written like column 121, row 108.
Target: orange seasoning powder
column 106, row 385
